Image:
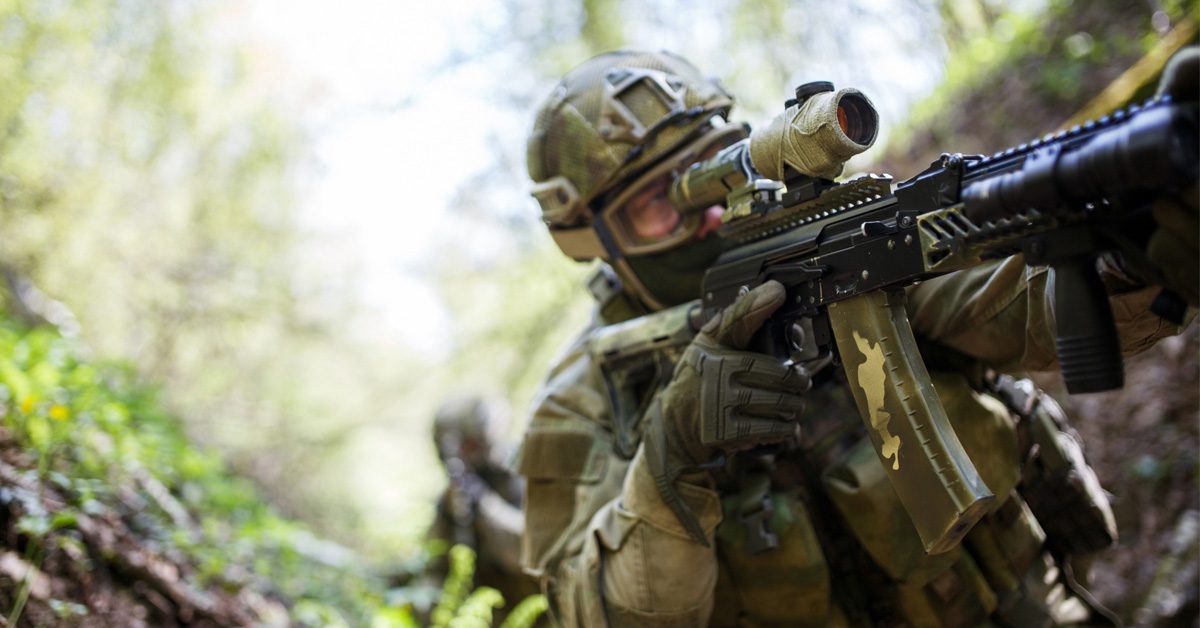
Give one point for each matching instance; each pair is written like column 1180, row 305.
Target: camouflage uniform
column 813, row 534
column 606, row 547
column 481, row 507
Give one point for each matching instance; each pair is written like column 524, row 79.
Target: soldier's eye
column 650, row 213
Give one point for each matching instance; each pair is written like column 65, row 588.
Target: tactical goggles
column 641, row 220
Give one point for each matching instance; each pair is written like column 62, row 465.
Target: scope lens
column 858, row 119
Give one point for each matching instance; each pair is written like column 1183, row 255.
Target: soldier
column 632, row 521
column 481, row 507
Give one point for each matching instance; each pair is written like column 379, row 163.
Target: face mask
column 674, row 276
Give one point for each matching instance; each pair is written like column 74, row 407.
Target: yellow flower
column 59, row 413
column 27, row 405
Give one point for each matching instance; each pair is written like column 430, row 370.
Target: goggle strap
column 581, row 243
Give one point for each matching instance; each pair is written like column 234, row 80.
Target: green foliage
column 149, row 168
column 1056, row 55
column 476, row 610
column 525, row 614
column 98, row 435
column 457, row 586
column 462, row 607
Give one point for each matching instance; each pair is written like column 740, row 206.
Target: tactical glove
column 722, row 399
column 1173, row 247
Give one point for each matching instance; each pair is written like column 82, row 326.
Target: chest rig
column 637, row 358
column 812, row 532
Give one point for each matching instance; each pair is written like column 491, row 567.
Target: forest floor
column 1144, row 443
column 104, row 568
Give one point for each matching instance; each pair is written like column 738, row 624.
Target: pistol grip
column 934, row 478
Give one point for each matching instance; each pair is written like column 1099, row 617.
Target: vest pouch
column 787, row 585
column 1006, row 545
column 863, row 496
column 554, row 463
column 861, row 492
column 957, row 597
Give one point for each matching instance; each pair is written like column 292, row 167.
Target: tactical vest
column 814, row 535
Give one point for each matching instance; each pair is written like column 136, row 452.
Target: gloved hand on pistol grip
column 722, row 398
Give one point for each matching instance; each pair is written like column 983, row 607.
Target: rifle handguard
column 934, row 478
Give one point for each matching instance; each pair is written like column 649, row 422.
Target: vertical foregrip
column 1089, row 351
column 936, row 482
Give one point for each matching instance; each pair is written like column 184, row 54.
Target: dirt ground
column 1144, row 442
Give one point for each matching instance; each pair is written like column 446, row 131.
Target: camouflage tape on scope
column 934, row 478
column 815, row 139
column 811, row 140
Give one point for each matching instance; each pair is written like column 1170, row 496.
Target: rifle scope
column 813, row 137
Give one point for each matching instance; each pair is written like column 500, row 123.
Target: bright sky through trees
column 393, row 140
column 396, row 135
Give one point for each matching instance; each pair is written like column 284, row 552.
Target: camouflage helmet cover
column 467, row 419
column 609, row 118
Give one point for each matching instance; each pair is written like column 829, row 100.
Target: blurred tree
column 599, row 30
column 1013, row 75
column 149, row 168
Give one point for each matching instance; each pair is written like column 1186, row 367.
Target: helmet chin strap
column 629, row 279
column 634, row 286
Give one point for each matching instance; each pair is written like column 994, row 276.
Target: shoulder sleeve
column 564, row 455
column 1002, row 313
column 592, row 522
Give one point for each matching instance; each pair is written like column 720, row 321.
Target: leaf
column 393, row 618
column 38, row 429
column 476, row 610
column 16, row 381
column 66, row 609
column 35, row 525
column 526, row 614
column 63, row 519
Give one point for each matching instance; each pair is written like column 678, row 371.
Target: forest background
column 296, row 233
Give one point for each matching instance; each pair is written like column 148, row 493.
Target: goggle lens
column 642, row 219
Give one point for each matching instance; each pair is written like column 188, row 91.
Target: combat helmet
column 465, row 427
column 610, row 122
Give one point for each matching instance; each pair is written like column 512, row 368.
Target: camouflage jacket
column 481, row 509
column 814, row 535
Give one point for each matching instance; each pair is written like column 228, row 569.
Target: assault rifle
column 846, row 251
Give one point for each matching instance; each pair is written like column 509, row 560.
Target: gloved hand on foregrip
column 1171, row 257
column 722, row 399
column 1173, row 246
